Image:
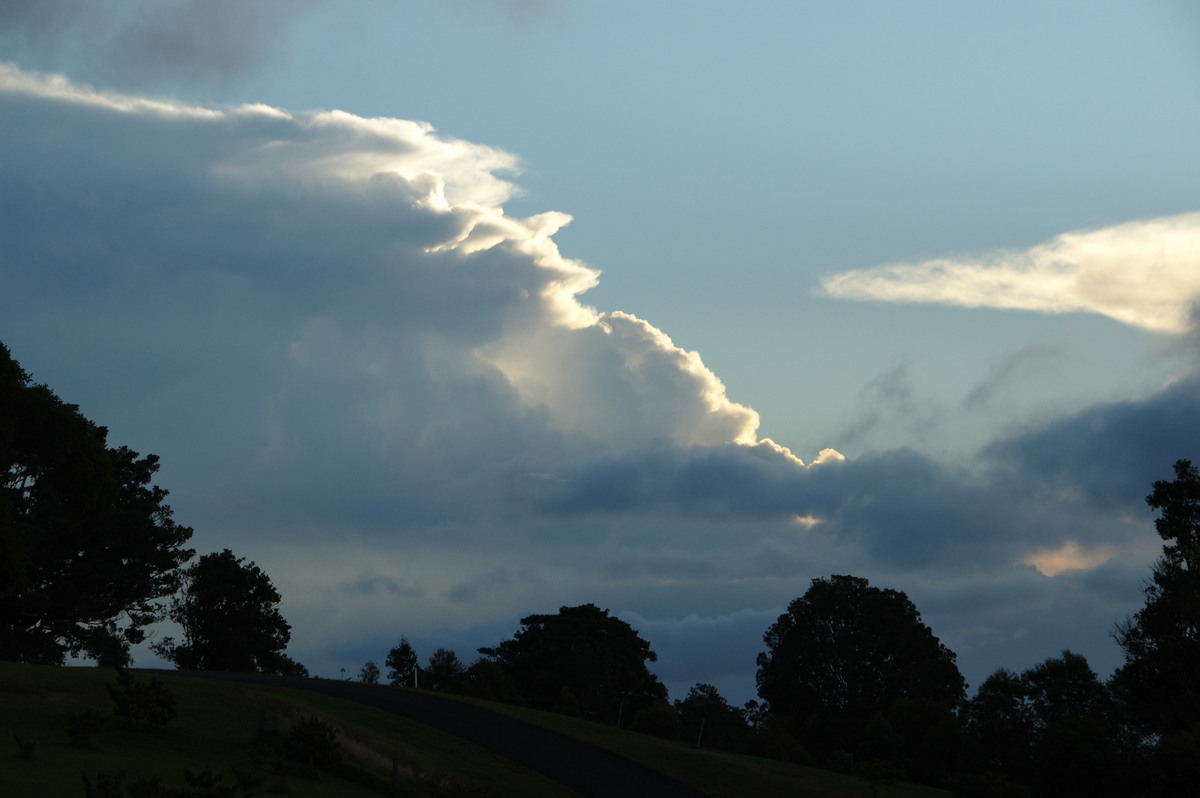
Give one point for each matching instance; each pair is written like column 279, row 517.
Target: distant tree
column 369, row 673
column 487, row 679
column 1002, row 721
column 1160, row 679
column 598, row 659
column 228, row 610
column 401, row 662
column 657, row 719
column 88, row 550
column 1055, row 728
column 935, row 748
column 445, row 672
column 706, row 718
column 845, row 651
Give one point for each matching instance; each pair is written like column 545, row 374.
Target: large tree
column 1055, row 728
column 228, row 610
column 1160, row 679
column 584, row 655
column 845, row 651
column 88, row 549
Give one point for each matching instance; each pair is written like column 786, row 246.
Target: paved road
column 586, row 769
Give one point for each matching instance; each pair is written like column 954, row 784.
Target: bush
column 141, row 703
column 657, row 720
column 106, row 785
column 312, row 742
column 82, row 725
column 26, row 749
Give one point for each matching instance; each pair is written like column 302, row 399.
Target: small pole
column 700, row 736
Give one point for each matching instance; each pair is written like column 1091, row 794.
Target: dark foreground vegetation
column 232, row 739
column 851, row 681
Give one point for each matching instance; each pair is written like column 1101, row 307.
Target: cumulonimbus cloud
column 378, row 310
column 1143, row 273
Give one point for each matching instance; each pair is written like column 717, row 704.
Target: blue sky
column 955, row 243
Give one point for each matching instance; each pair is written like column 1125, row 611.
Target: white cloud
column 1143, row 273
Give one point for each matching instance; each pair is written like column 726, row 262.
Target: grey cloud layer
column 139, row 43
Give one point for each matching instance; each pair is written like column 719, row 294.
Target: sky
column 447, row 313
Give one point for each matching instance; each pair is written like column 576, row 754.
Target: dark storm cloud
column 1108, row 455
column 146, row 43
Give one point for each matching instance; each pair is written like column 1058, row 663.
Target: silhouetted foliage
column 401, row 662
column 1160, row 680
column 486, row 678
column 845, row 651
column 771, row 736
column 1001, row 719
column 369, row 673
column 141, row 703
column 88, row 549
column 1055, row 728
column 445, row 672
column 82, row 725
column 707, row 719
column 657, row 720
column 313, row 742
column 600, row 659
column 228, row 610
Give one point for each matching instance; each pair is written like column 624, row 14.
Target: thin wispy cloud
column 1030, row 363
column 1143, row 273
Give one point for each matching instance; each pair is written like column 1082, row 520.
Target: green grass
column 217, row 728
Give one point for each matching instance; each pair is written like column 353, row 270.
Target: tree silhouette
column 1055, row 728
column 582, row 651
column 845, row 651
column 88, row 549
column 707, row 719
column 369, row 673
column 445, row 672
column 1160, row 679
column 401, row 662
column 228, row 610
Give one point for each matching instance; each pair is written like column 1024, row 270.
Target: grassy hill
column 217, row 729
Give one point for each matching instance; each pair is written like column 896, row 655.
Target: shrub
column 141, row 703
column 26, row 749
column 657, row 720
column 106, row 785
column 82, row 725
column 313, row 742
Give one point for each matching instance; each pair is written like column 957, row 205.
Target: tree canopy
column 706, row 718
column 88, row 549
column 1161, row 675
column 845, row 651
column 582, row 655
column 228, row 610
column 1054, row 727
column 401, row 661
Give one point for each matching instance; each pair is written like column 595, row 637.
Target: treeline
column 850, row 678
